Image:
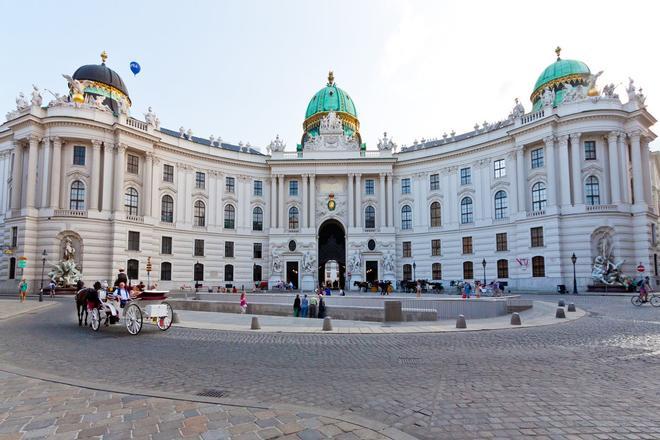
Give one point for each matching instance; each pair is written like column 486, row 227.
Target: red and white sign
column 640, row 268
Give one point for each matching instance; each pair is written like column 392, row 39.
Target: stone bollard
column 327, row 324
column 255, row 324
column 175, row 318
column 515, row 319
column 571, row 307
column 561, row 303
column 560, row 313
column 460, row 322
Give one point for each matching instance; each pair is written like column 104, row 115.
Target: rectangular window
column 501, row 244
column 468, row 270
column 434, row 181
column 166, row 245
column 499, row 168
column 538, row 267
column 132, row 164
column 256, row 250
column 536, row 235
column 467, row 245
column 168, row 173
column 166, row 271
column 466, row 176
column 369, row 187
column 229, row 249
column 79, row 155
column 502, row 269
column 230, row 184
column 199, row 248
column 293, row 188
column 405, row 186
column 436, row 271
column 14, row 237
column 537, row 158
column 589, row 150
column 435, row 248
column 407, row 249
column 200, row 180
column 133, row 241
column 258, row 188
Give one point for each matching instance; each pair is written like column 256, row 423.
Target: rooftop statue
column 276, row 145
column 21, row 102
column 608, row 91
column 151, row 119
column 518, row 110
column 386, row 144
column 548, row 97
column 591, row 84
column 37, row 100
column 75, row 86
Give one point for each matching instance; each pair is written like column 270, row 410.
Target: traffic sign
column 22, row 262
column 148, row 264
column 640, row 268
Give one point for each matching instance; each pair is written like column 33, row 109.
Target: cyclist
column 644, row 286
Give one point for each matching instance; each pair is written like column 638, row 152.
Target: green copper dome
column 330, row 98
column 559, row 70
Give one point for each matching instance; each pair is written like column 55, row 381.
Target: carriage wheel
column 95, row 320
column 165, row 322
column 133, row 319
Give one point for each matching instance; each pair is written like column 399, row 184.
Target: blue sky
column 245, row 70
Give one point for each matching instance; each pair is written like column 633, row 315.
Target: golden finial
column 104, row 56
column 331, row 78
column 558, row 52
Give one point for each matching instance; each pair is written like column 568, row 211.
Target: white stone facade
column 561, row 148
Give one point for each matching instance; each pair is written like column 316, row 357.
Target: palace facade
column 512, row 200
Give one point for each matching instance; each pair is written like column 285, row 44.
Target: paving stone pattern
column 589, row 379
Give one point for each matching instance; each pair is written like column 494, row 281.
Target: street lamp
column 414, row 267
column 573, row 260
column 483, row 263
column 44, row 254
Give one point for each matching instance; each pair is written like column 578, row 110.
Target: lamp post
column 44, row 254
column 483, row 264
column 573, row 260
column 414, row 276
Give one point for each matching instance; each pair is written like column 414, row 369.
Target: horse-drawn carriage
column 148, row 304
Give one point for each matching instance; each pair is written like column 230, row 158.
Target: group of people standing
column 309, row 307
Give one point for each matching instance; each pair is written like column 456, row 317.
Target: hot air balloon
column 135, row 67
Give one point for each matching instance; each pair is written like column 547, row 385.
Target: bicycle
column 652, row 298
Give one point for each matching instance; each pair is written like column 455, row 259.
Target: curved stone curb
column 18, row 310
column 378, row 427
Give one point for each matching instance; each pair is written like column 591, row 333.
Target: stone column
column 31, row 181
column 187, row 203
column 96, row 176
column 486, row 171
column 55, row 177
column 615, row 182
column 551, row 173
column 17, row 178
column 280, row 201
column 304, row 192
column 638, row 177
column 576, row 169
column 273, row 202
column 390, row 199
column 522, row 178
column 358, row 201
column 181, row 197
column 156, row 178
column 382, row 222
column 513, row 176
column 624, row 162
column 45, row 173
column 311, row 220
column 646, row 171
column 351, row 201
column 564, row 171
column 108, row 173
column 147, row 184
column 120, row 169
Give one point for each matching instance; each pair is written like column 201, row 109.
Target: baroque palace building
column 572, row 176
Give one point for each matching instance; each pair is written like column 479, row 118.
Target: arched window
column 167, row 209
column 592, row 191
column 502, row 269
column 12, row 268
column 131, row 201
column 257, row 219
column 538, row 196
column 77, row 198
column 230, row 217
column 407, row 272
column 406, row 217
column 294, row 218
column 436, row 271
column 229, row 272
column 369, row 217
column 467, row 212
column 132, row 270
column 256, row 272
column 200, row 213
column 436, row 219
column 538, row 267
column 468, row 270
column 165, row 271
column 501, row 204
column 198, row 272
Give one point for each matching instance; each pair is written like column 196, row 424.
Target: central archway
column 332, row 246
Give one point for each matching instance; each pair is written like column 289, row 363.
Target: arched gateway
column 332, row 247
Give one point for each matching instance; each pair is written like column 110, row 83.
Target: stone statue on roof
column 37, row 100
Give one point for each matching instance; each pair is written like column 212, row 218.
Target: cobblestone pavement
column 591, row 378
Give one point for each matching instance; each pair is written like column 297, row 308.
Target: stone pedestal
column 351, row 281
column 393, row 311
column 308, row 283
column 274, row 280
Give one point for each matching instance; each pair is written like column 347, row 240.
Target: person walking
column 304, row 306
column 22, row 289
column 419, row 289
column 313, row 303
column 51, row 287
column 243, row 303
column 467, row 289
column 296, row 306
column 321, row 307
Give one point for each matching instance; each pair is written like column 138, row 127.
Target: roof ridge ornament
column 558, row 52
column 331, row 78
column 104, row 56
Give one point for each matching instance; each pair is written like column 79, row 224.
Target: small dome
column 103, row 81
column 561, row 70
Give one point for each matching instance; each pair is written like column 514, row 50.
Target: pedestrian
column 22, row 289
column 467, row 289
column 51, row 287
column 419, row 289
column 296, row 306
column 313, row 303
column 243, row 303
column 321, row 308
column 304, row 306
column 121, row 277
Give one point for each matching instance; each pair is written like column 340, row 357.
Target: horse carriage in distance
column 149, row 305
column 410, row 286
column 382, row 287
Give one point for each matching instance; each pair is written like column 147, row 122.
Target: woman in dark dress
column 321, row 307
column 296, row 306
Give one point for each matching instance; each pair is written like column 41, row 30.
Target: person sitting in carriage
column 122, row 294
column 110, row 308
